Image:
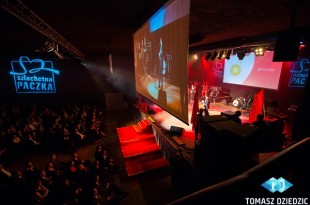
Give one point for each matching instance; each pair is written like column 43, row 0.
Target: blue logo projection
column 33, row 76
column 279, row 185
column 299, row 73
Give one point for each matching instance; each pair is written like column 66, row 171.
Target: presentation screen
column 160, row 58
column 256, row 71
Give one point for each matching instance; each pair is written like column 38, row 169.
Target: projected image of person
column 161, row 65
column 168, row 65
column 147, row 50
column 144, row 57
column 139, row 59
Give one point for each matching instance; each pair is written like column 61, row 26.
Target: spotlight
column 83, row 63
column 259, row 51
column 77, row 60
column 208, row 56
column 49, row 46
column 214, row 55
column 241, row 54
column 229, row 51
column 302, row 44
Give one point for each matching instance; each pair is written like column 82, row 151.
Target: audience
column 76, row 181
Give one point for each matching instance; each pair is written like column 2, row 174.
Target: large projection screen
column 160, row 58
column 256, row 71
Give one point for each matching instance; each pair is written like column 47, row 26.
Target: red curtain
column 257, row 106
column 195, row 109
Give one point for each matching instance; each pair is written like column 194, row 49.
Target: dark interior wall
column 121, row 77
column 74, row 84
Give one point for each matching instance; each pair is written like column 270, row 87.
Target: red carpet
column 140, row 150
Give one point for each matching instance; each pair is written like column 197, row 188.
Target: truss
column 23, row 13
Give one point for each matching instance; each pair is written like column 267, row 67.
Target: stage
column 151, row 143
column 164, row 120
column 170, row 135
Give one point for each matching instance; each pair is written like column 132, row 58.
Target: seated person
column 260, row 121
column 41, row 193
column 236, row 117
column 5, row 175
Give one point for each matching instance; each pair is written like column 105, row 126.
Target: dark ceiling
column 97, row 27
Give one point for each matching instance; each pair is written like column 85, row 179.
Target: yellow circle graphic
column 235, row 69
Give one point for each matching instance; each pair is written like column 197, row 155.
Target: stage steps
column 145, row 163
column 139, row 147
column 128, row 138
column 140, row 150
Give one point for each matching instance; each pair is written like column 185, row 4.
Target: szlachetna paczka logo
column 279, row 185
column 33, row 76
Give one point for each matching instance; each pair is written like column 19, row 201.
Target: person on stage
column 162, row 65
column 206, row 102
column 192, row 92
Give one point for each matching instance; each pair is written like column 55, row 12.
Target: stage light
column 302, row 44
column 83, row 63
column 221, row 54
column 229, row 51
column 241, row 54
column 52, row 47
column 49, row 46
column 195, row 57
column 214, row 55
column 269, row 48
column 234, row 52
column 259, row 51
column 208, row 56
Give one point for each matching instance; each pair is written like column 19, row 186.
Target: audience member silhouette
column 236, row 117
column 41, row 193
column 260, row 121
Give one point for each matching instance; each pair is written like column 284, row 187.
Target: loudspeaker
column 287, row 46
column 176, row 131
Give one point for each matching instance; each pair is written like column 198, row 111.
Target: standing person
column 192, row 93
column 206, row 102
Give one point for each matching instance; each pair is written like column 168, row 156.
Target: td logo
column 279, row 185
